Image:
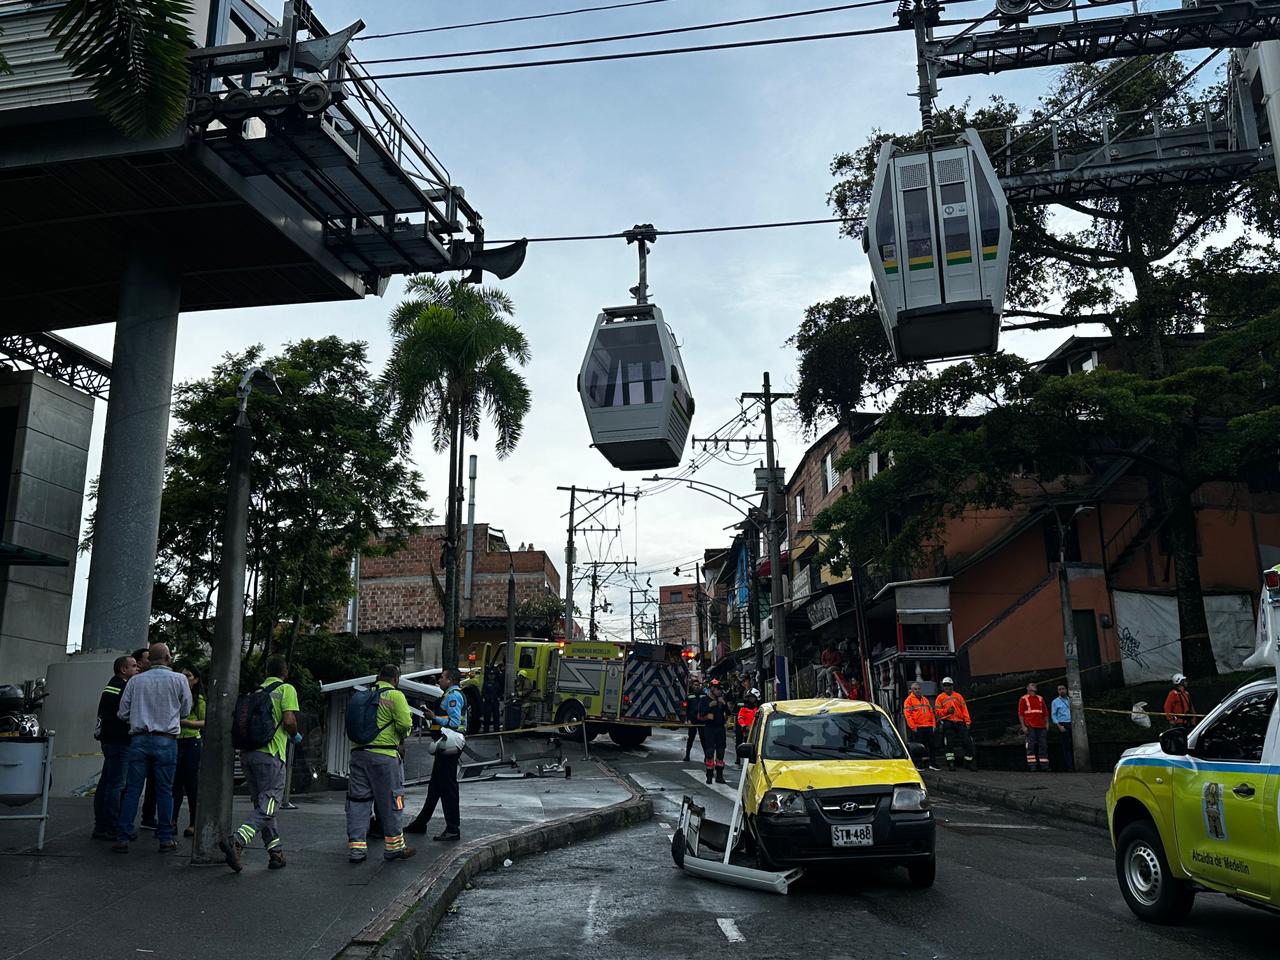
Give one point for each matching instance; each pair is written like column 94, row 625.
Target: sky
column 718, row 138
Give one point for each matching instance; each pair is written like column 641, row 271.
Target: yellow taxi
column 831, row 781
column 1197, row 811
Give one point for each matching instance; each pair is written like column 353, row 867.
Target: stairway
column 1132, row 537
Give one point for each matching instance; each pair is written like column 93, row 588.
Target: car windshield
column 865, row 735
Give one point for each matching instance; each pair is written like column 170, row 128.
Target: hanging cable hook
column 642, row 234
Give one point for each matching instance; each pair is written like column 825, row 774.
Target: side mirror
column 747, row 752
column 1174, row 741
column 918, row 753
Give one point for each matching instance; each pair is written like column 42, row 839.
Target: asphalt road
column 1007, row 886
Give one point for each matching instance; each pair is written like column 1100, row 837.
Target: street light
column 1070, row 645
column 213, row 810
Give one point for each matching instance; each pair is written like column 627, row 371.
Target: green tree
column 328, row 477
column 1140, row 265
column 133, row 53
column 453, row 360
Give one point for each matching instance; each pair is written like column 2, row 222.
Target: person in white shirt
column 153, row 705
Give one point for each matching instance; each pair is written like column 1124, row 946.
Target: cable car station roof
column 298, row 183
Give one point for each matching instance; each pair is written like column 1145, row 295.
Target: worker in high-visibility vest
column 921, row 721
column 953, row 716
column 1033, row 716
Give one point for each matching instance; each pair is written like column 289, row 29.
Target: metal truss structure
column 1239, row 23
column 57, row 358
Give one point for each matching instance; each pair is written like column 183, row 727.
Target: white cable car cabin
column 937, row 303
column 634, row 390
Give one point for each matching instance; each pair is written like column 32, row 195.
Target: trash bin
column 22, row 773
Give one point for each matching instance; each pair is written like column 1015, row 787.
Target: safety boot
column 275, row 860
column 720, row 775
column 710, row 774
column 231, row 847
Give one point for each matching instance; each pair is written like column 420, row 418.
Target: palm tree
column 134, row 54
column 451, row 363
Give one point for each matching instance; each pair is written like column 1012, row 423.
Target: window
column 830, row 475
column 627, row 367
column 865, row 735
column 526, row 658
column 1240, row 733
column 988, row 216
column 885, row 236
column 918, row 216
column 677, row 596
column 873, row 464
column 801, row 512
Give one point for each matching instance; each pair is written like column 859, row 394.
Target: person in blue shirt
column 1060, row 716
column 443, row 787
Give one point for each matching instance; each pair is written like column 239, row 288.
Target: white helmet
column 1178, row 678
column 449, row 743
column 946, row 680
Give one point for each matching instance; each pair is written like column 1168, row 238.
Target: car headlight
column 910, row 797
column 783, row 803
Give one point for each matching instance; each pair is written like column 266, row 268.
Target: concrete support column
column 127, row 512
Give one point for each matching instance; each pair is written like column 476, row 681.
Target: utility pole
column 697, row 609
column 778, row 615
column 595, row 585
column 1071, row 648
column 595, row 565
column 607, row 497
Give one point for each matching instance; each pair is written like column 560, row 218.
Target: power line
column 568, row 238
column 534, row 16
column 639, row 54
column 665, row 32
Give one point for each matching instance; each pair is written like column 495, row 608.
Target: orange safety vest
column 1031, row 711
column 1177, row 707
column 951, row 706
column 919, row 712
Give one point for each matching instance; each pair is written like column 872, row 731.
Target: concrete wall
column 42, row 511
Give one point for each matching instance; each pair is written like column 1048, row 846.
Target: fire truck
column 619, row 689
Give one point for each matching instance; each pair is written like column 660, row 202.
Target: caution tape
column 559, row 727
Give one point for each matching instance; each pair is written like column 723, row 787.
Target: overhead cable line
column 640, row 54
column 533, row 16
column 668, row 31
column 568, row 238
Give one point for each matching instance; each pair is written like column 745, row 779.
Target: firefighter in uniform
column 691, row 714
column 713, row 713
column 376, row 777
column 1033, row 715
column 921, row 722
column 1178, row 709
column 953, row 714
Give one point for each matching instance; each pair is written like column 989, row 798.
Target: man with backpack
column 443, row 786
column 378, row 720
column 264, row 722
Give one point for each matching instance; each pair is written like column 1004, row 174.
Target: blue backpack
column 362, row 717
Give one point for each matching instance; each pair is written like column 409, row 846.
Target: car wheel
column 763, row 860
column 677, row 847
column 1153, row 893
column 922, row 872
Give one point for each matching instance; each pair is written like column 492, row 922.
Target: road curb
column 1019, row 800
column 404, row 928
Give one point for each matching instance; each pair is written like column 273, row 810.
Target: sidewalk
column 79, row 901
column 1080, row 797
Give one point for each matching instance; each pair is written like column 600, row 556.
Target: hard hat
column 1179, row 678
column 754, row 692
column 946, row 680
column 715, row 683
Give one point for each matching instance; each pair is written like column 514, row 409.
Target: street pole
column 753, row 592
column 632, row 594
column 568, row 570
column 213, row 809
column 595, row 583
column 471, row 537
column 697, row 610
column 778, row 614
column 1071, row 652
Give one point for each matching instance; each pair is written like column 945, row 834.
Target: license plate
column 859, row 836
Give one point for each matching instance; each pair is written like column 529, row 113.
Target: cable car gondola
column 938, row 235
column 632, row 383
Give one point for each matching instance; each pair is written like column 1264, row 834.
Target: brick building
column 400, row 598
column 678, row 614
column 988, row 603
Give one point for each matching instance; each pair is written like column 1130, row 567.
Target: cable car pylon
column 632, row 383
